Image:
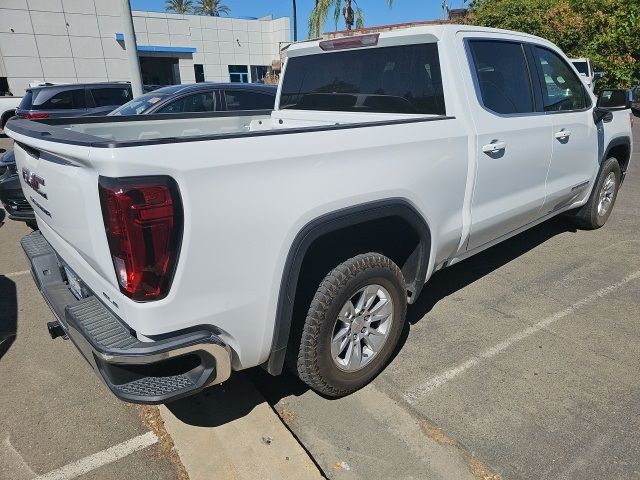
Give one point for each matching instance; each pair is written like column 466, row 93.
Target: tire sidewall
column 326, row 366
column 610, row 165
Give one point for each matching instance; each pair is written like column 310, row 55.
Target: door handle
column 562, row 134
column 494, row 147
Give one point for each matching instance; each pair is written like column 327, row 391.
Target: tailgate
column 61, row 185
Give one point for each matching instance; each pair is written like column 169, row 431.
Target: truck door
column 513, row 140
column 574, row 159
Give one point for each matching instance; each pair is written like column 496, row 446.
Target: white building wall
column 74, row 41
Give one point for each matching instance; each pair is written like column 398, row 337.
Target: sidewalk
column 230, row 432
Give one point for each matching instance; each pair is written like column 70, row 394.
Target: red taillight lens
column 143, row 221
column 33, row 115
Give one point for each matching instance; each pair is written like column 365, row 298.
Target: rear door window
column 247, row 100
column 198, row 102
column 107, row 97
column 65, row 100
column 503, row 76
column 402, row 79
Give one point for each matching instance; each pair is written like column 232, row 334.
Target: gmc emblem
column 34, row 181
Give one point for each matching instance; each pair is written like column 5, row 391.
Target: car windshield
column 139, row 105
column 582, row 67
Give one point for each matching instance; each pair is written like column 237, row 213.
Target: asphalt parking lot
column 520, row 363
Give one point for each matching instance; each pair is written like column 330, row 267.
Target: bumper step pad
column 156, row 386
column 101, row 325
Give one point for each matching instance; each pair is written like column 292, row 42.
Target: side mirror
column 615, row 99
column 598, row 75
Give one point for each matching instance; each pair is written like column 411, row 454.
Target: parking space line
column 109, row 455
column 16, row 274
column 431, row 384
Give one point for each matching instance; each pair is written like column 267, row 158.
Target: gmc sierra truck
column 176, row 249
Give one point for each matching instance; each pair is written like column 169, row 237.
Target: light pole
column 295, row 22
column 131, row 48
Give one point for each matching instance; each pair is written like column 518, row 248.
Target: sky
column 376, row 11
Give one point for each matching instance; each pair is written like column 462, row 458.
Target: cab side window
column 562, row 89
column 503, row 76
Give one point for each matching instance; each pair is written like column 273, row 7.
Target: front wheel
column 595, row 213
column 353, row 325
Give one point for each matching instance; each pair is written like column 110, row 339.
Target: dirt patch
column 151, row 418
column 287, row 416
column 477, row 468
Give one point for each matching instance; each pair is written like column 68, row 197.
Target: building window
column 238, row 74
column 258, row 72
column 199, row 69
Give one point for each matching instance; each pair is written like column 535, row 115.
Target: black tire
column 588, row 216
column 5, row 118
column 315, row 365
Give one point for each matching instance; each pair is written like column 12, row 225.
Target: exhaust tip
column 55, row 330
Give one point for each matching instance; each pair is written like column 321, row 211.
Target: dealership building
column 69, row 41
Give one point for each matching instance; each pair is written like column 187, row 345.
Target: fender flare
column 326, row 223
column 617, row 142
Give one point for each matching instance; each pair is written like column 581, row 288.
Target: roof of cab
column 397, row 35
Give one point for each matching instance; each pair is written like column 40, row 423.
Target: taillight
column 143, row 221
column 33, row 115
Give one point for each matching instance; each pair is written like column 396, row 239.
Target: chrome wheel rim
column 605, row 198
column 362, row 328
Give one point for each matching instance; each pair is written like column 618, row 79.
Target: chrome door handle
column 494, row 147
column 563, row 134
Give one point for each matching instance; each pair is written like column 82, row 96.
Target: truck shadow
column 220, row 404
column 454, row 278
column 8, row 314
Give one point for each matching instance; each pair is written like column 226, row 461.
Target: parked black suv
column 74, row 99
column 11, row 195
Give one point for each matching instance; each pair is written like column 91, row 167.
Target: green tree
column 212, row 8
column 344, row 8
column 603, row 30
column 178, row 6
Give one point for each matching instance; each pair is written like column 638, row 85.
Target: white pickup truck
column 174, row 250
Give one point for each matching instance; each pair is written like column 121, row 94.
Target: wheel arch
column 415, row 268
column 620, row 148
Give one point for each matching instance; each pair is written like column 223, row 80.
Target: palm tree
column 212, row 8
column 178, row 6
column 320, row 13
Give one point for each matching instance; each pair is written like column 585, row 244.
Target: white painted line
column 17, row 274
column 97, row 460
column 434, row 382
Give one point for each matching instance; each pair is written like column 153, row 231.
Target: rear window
column 65, row 100
column 402, row 79
column 25, row 104
column 107, row 97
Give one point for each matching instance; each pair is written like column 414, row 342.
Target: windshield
column 582, row 67
column 139, row 105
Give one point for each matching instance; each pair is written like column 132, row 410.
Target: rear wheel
column 595, row 213
column 353, row 325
